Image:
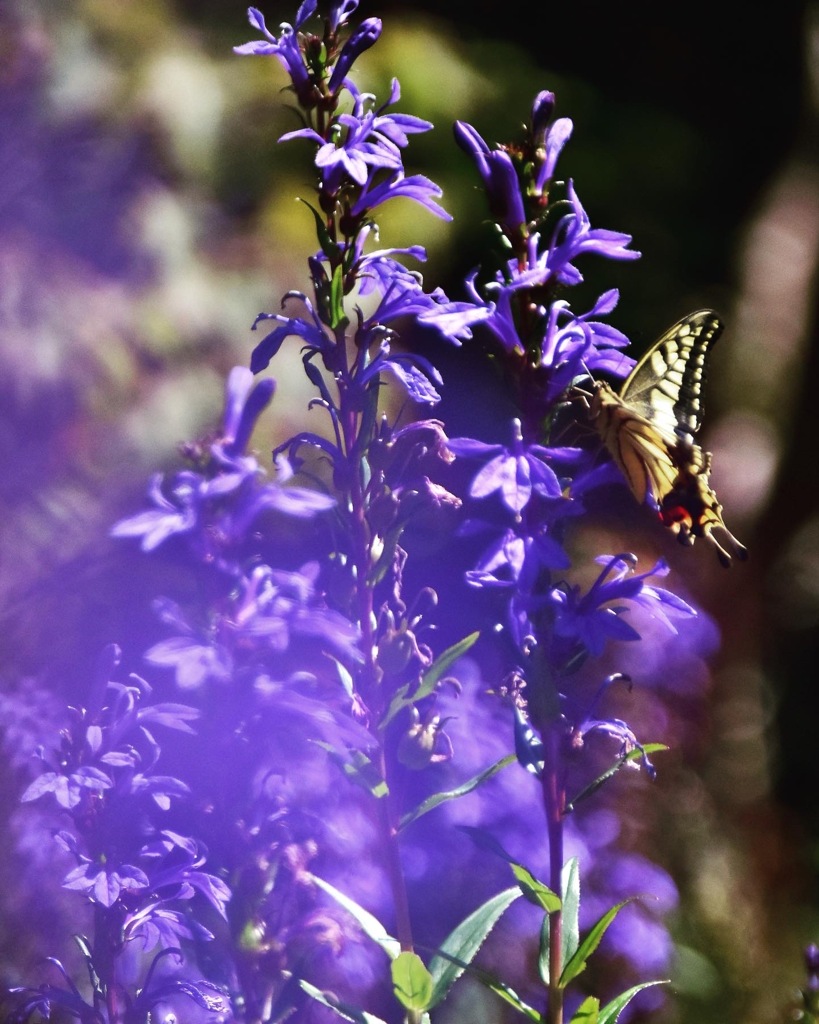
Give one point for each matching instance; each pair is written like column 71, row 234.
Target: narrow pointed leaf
column 508, row 995
column 486, row 842
column 543, row 951
column 429, row 679
column 436, row 799
column 464, row 942
column 493, row 984
column 369, row 924
column 611, row 1011
column 570, row 927
column 534, row 891
column 577, row 963
column 337, row 317
column 621, row 762
column 326, row 244
column 387, row 558
column 344, row 1010
column 358, row 768
column 412, row 982
column 588, row 1012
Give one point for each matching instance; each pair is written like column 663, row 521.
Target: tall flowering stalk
column 545, row 348
column 303, row 663
column 533, row 493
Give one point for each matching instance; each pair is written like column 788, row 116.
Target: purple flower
column 570, row 345
column 417, row 374
column 574, row 346
column 581, row 344
column 395, row 128
column 105, row 884
column 590, row 620
column 312, row 332
column 216, row 507
column 68, row 789
column 514, row 554
column 267, row 612
column 400, row 291
column 573, row 236
column 110, row 750
column 516, row 473
column 351, row 158
column 361, row 142
column 499, row 177
column 455, row 320
column 286, row 49
column 362, row 39
column 549, row 138
column 416, row 187
column 176, row 871
column 339, row 12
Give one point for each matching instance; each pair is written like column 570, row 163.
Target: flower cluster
column 216, row 504
column 135, row 870
column 327, row 708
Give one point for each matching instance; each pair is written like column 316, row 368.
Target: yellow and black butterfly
column 649, row 428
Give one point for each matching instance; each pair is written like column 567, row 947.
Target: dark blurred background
column 147, row 215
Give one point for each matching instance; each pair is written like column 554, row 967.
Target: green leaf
column 436, row 799
column 543, row 951
column 412, row 982
column 338, row 318
column 588, row 1012
column 621, row 762
column 387, row 558
column 577, row 962
column 287, row 1000
column 358, row 768
column 534, row 891
column 369, row 924
column 493, row 984
column 345, row 677
column 429, row 679
column 508, row 995
column 463, row 943
column 88, row 956
column 351, row 1013
column 611, row 1011
column 326, row 244
column 486, row 842
column 570, row 925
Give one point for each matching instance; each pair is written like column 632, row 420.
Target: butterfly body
column 649, row 428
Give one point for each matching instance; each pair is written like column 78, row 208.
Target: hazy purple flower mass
column 405, row 661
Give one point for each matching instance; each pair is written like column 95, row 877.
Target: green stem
column 369, row 677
